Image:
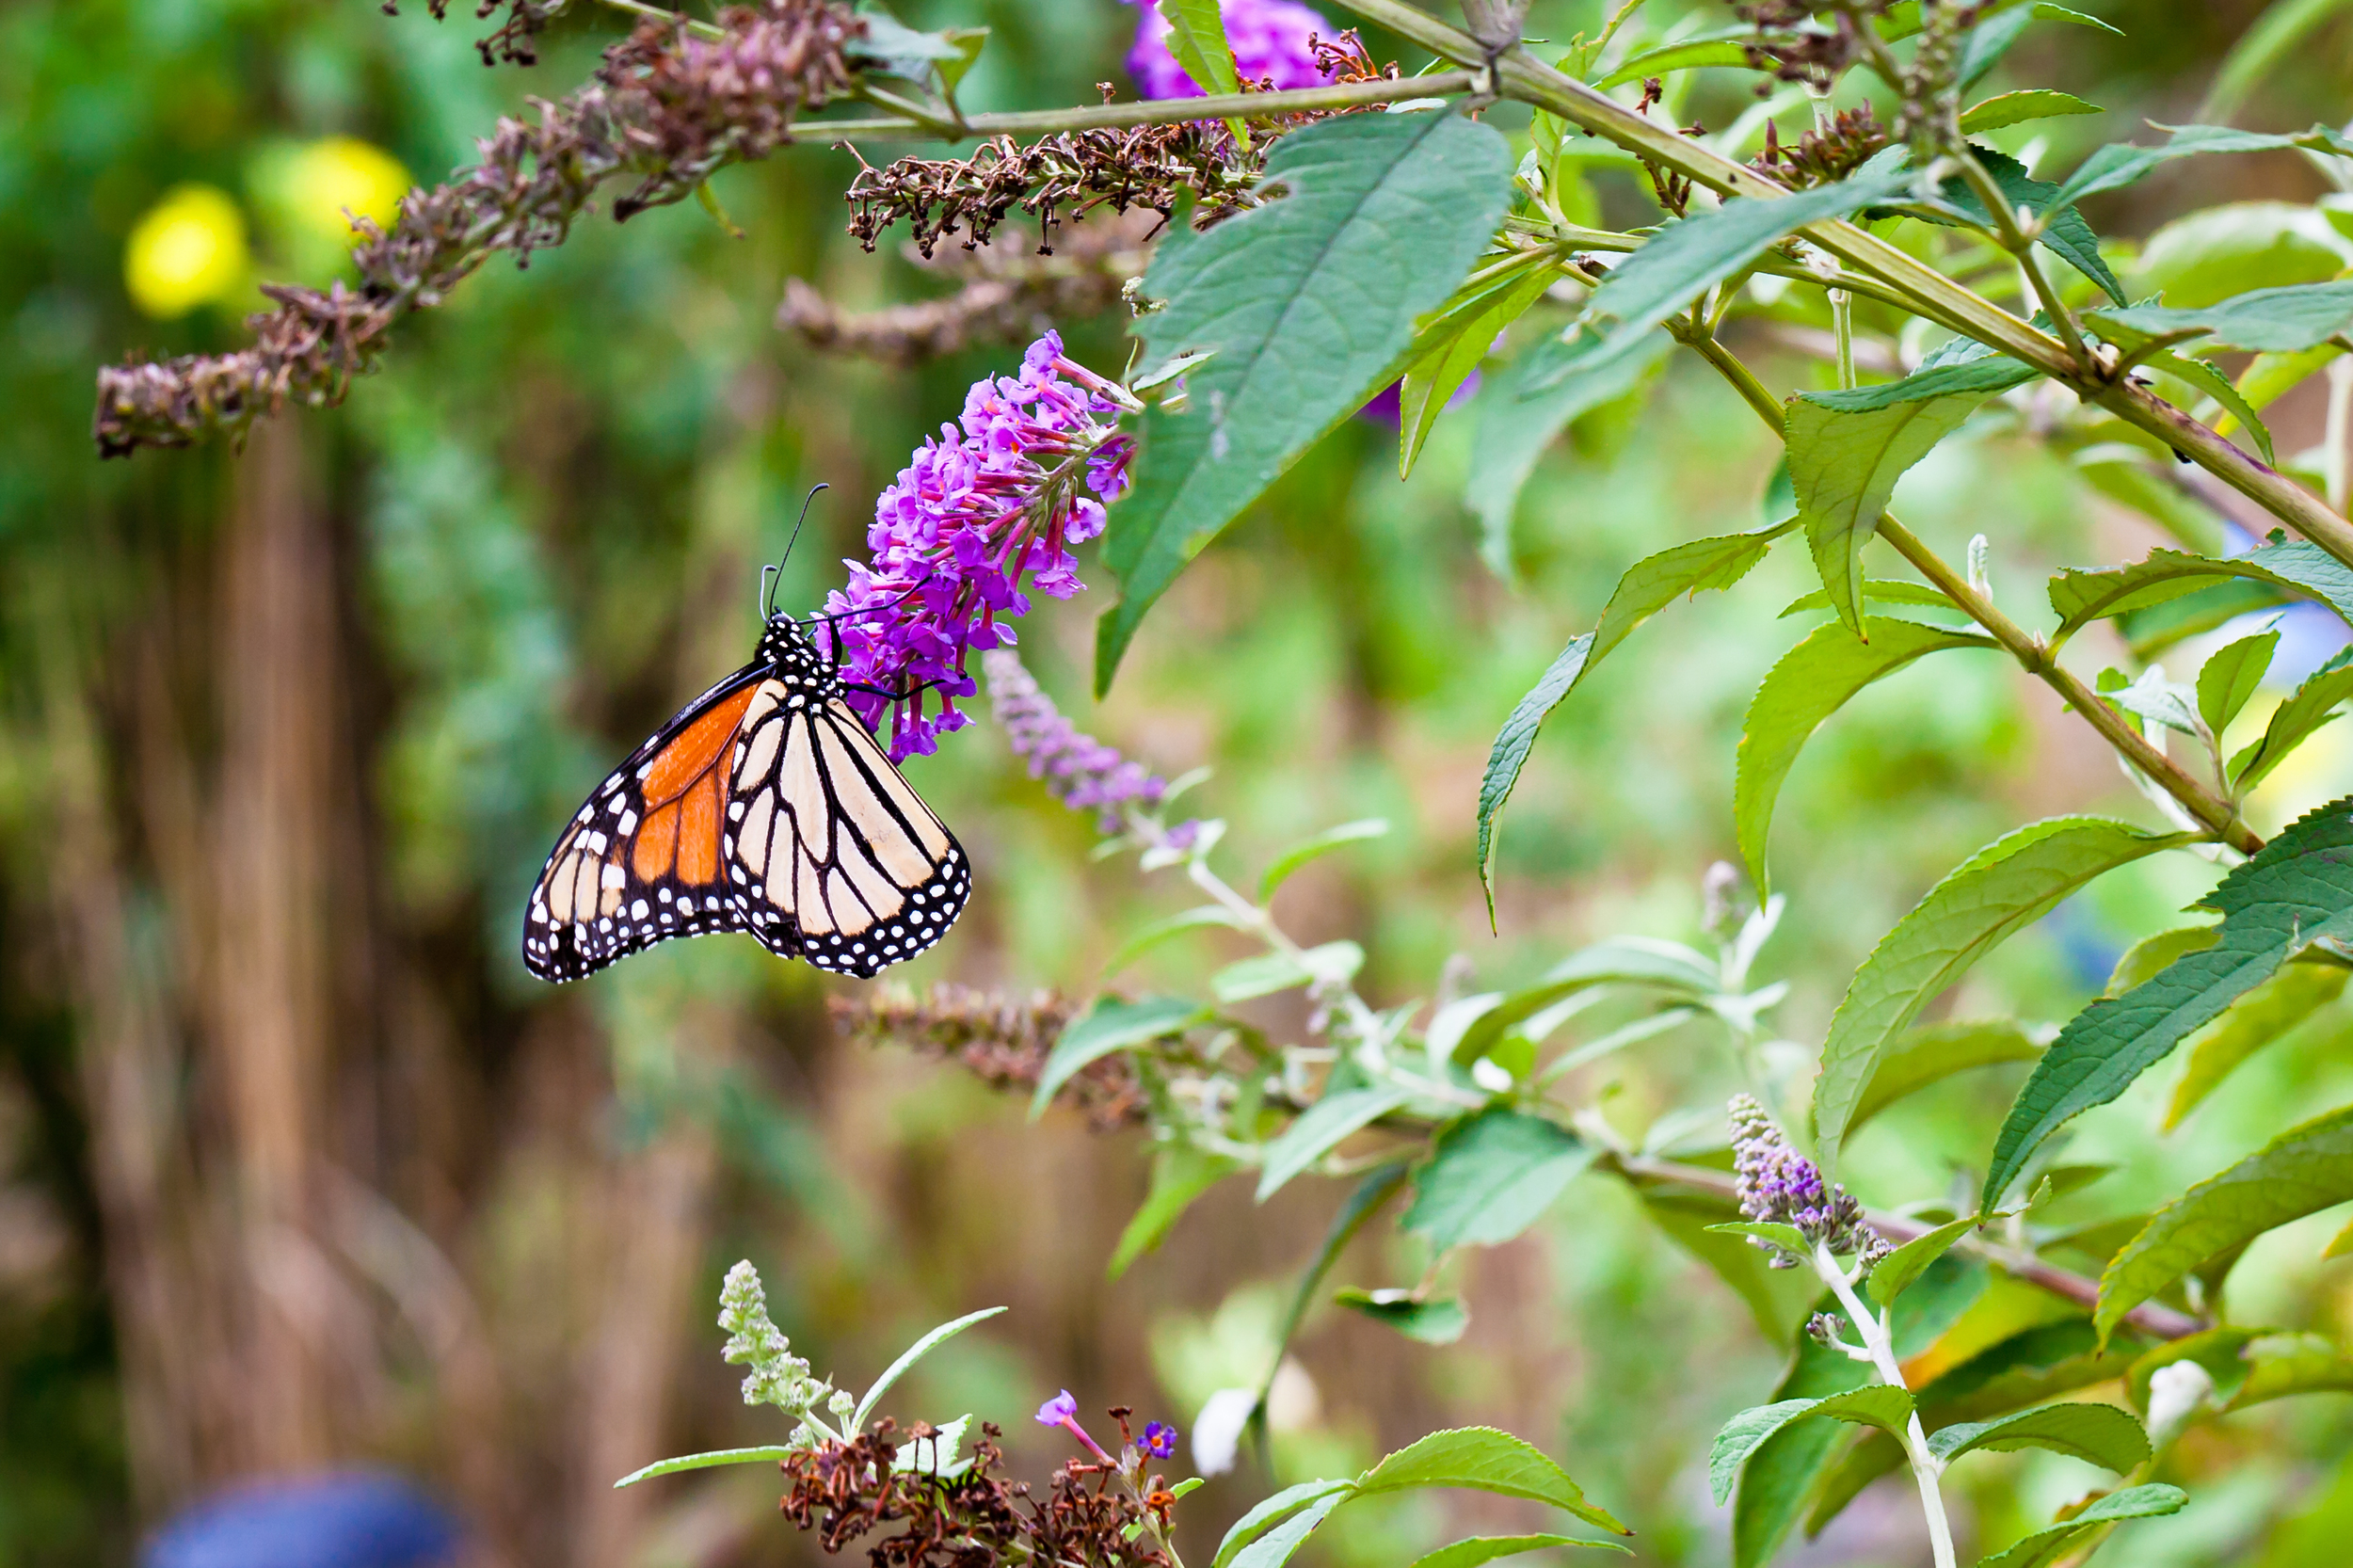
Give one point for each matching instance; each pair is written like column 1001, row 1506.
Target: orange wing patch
column 680, row 787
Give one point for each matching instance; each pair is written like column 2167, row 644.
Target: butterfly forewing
column 642, row 860
column 842, row 863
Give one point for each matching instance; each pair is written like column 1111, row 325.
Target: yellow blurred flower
column 190, row 249
column 306, row 189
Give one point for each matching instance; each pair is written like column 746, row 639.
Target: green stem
column 1153, row 111
column 662, row 13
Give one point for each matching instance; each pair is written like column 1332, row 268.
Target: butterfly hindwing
column 837, row 859
column 641, row 861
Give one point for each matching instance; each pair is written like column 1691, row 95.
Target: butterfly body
column 763, row 807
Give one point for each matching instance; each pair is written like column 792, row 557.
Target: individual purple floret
column 1059, row 1410
column 1780, row 1186
column 1080, row 770
column 1269, row 38
column 998, row 496
column 1160, row 1439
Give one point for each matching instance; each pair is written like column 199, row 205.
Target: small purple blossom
column 1080, row 770
column 1059, row 1410
column 1160, row 1439
column 1269, row 38
column 998, row 496
column 1777, row 1185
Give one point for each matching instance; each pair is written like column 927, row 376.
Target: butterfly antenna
column 768, row 581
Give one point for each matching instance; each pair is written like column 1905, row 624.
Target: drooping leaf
column 1478, row 1550
column 1515, row 423
column 1371, row 1191
column 1386, row 212
column 1845, row 463
column 1693, row 254
column 1437, row 1321
column 2064, row 232
column 2313, row 703
column 2016, row 108
column 1482, row 1459
column 1323, row 843
column 2120, row 164
column 1446, row 355
column 1782, row 1472
column 2045, row 1547
column 1877, row 1405
column 1152, row 936
column 1921, row 1057
column 1812, row 682
column 1320, row 1130
column 1722, row 47
column 2221, row 389
column 1278, row 1542
column 2252, row 1022
column 2100, row 1433
column 768, row 1455
column 1196, row 40
column 1489, row 1176
column 1638, row 961
column 1648, row 586
column 2300, row 568
column 2304, row 1169
column 1181, row 1174
column 1999, row 890
column 2277, row 321
column 1899, row 1269
column 1110, row 1025
column 1271, row 1511
column 2296, row 890
column 909, row 1356
column 1876, row 590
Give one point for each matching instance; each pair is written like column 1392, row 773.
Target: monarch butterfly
column 765, row 806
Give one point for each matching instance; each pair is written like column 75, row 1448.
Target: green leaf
column 1812, row 682
column 2083, row 597
column 1384, row 211
column 1972, row 376
column 2016, row 108
column 1444, row 358
column 1877, row 1405
column 2114, row 167
column 1320, row 1130
column 2314, row 704
column 2296, row 890
column 2102, row 1434
column 1489, row 1176
column 1364, row 1202
column 2231, row 676
column 1181, row 1174
column 1648, row 586
column 1778, row 1299
column 1640, row 961
column 1473, row 1551
column 1271, row 1511
column 2304, row 1169
column 1323, row 843
column 1788, row 1240
column 1879, row 590
column 1174, row 925
column 2282, row 1364
column 1988, row 898
column 2145, row 959
column 768, row 1455
column 2065, row 234
column 1280, row 971
column 1110, row 1025
column 1430, row 1322
column 1899, row 1269
column 2277, row 321
column 2045, row 1547
column 1694, row 254
column 1196, row 40
column 1781, row 1473
column 912, row 1354
column 1921, row 1057
column 1723, row 47
column 1485, row 1459
column 1515, row 422
column 1274, row 1548
column 968, row 43
column 2217, row 385
column 1845, row 464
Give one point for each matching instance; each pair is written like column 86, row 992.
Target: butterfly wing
column 641, row 861
column 839, row 860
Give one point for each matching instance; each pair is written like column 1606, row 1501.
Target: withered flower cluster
column 1791, row 43
column 1001, row 1040
column 1071, row 173
column 969, row 1519
column 666, row 107
column 510, row 40
column 1821, row 157
column 1008, row 295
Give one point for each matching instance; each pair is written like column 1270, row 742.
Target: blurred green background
column 298, row 1169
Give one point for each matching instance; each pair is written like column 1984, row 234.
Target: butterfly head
column 785, row 647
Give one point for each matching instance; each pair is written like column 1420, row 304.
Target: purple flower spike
column 1059, row 1410
column 997, row 497
column 1269, row 38
column 1777, row 1185
column 1160, row 1439
column 1078, row 770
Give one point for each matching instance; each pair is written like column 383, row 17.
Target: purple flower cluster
column 1080, row 770
column 1160, row 1439
column 1269, row 38
column 999, row 496
column 1780, row 1186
